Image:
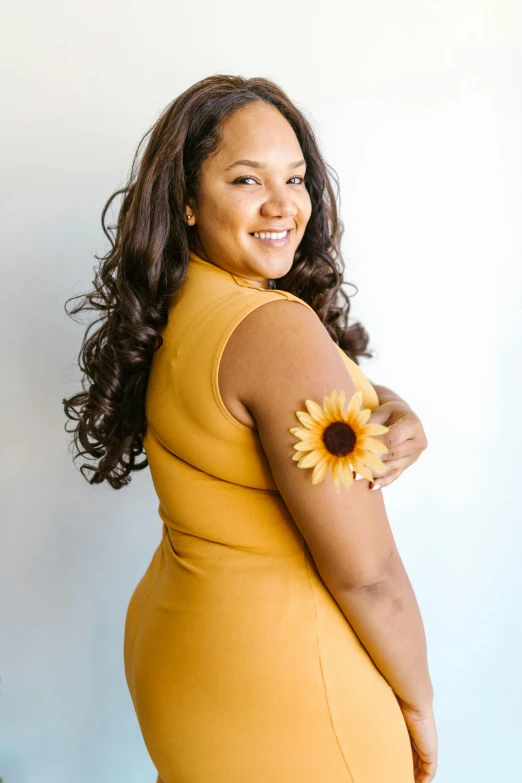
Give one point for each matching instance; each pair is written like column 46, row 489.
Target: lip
column 271, row 230
column 273, row 242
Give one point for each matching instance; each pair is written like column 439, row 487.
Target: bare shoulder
column 277, row 339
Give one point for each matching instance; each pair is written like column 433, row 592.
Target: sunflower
column 341, row 442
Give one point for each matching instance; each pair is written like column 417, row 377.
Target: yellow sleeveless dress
column 240, row 664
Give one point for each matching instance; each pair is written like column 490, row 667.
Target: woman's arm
column 347, row 532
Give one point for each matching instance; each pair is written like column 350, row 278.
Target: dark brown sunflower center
column 339, row 438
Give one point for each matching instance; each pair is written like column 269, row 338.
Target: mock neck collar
column 214, row 267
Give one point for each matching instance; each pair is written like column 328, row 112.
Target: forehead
column 258, row 132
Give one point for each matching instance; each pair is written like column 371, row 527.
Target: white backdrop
column 418, row 107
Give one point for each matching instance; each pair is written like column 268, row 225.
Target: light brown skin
column 348, row 534
column 227, row 213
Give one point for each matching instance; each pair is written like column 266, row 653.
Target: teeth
column 263, row 235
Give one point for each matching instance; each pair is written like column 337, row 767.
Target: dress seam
column 321, row 664
column 146, row 601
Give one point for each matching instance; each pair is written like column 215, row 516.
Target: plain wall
column 418, row 108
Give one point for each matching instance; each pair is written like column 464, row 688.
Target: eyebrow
column 255, row 164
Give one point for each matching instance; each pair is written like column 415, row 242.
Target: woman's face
column 267, row 193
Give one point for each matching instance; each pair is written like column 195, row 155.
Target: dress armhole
column 271, row 296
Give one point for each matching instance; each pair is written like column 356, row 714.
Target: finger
column 387, row 478
column 399, row 432
column 402, row 450
column 392, row 465
column 385, row 481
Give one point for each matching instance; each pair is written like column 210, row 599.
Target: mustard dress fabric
column 240, row 664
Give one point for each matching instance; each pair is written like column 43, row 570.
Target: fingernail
column 357, row 477
column 376, row 486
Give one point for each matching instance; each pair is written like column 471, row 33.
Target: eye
column 240, row 180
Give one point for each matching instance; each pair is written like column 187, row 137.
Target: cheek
column 305, row 201
column 305, row 209
column 215, row 217
column 234, row 212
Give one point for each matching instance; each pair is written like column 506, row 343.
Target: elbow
column 380, row 584
column 385, row 590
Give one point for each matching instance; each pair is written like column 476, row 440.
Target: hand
column 405, row 439
column 424, row 742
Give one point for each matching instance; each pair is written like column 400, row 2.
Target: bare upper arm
column 286, row 356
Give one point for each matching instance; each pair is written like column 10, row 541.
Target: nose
column 279, row 203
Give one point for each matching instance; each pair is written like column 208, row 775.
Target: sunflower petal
column 372, row 461
column 304, row 434
column 311, row 459
column 320, row 471
column 310, row 444
column 354, row 405
column 306, row 420
column 303, row 445
column 347, row 476
column 363, row 416
column 329, row 407
column 372, row 444
column 362, row 470
column 316, row 412
column 344, row 469
column 339, row 404
column 374, row 429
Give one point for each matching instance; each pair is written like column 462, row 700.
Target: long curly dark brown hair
column 148, row 261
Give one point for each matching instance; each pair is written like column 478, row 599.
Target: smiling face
column 267, row 193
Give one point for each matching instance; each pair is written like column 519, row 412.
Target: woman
column 275, row 635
